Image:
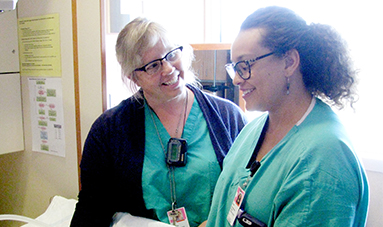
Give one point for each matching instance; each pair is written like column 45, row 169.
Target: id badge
column 232, row 215
column 178, row 217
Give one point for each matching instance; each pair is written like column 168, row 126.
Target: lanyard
column 236, row 211
column 171, row 171
column 237, row 208
column 253, row 169
column 253, row 164
column 242, row 216
column 177, row 216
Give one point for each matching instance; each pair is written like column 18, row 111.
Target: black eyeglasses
column 243, row 68
column 154, row 66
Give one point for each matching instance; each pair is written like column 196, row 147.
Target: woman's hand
column 203, row 224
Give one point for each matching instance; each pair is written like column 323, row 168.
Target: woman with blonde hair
column 159, row 153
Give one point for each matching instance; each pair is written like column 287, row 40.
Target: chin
column 253, row 107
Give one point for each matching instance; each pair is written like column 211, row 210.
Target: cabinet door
column 11, row 119
column 9, row 54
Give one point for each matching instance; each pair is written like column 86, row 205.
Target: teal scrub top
column 194, row 182
column 312, row 177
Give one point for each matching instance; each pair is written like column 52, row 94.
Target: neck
column 173, row 113
column 287, row 115
column 167, row 105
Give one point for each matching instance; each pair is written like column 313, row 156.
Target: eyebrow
column 166, row 52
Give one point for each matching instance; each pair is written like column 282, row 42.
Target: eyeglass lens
column 170, row 57
column 242, row 68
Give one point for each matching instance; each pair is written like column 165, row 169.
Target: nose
column 237, row 80
column 167, row 68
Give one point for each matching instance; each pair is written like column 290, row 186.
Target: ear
column 292, row 61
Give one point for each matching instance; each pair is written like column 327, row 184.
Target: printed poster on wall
column 39, row 44
column 47, row 116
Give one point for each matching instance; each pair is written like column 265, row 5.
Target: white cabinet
column 9, row 55
column 11, row 118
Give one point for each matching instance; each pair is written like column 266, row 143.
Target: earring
column 288, row 85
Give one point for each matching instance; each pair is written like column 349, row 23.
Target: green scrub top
column 194, row 182
column 312, row 177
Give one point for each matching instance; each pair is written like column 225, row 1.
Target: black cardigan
column 112, row 160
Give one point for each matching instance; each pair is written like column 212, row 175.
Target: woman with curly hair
column 294, row 165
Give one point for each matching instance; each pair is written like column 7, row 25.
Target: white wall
column 29, row 179
column 375, row 218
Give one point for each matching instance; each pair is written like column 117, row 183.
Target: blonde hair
column 136, row 38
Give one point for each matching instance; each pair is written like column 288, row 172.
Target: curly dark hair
column 326, row 66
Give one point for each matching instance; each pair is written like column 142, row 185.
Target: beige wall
column 29, row 179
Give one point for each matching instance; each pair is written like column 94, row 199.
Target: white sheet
column 58, row 214
column 128, row 220
column 60, row 211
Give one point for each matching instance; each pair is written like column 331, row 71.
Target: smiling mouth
column 245, row 92
column 173, row 81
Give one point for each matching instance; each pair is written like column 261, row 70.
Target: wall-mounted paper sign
column 39, row 41
column 47, row 116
